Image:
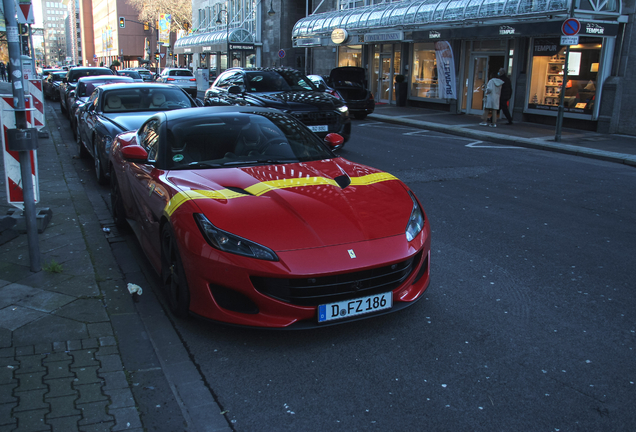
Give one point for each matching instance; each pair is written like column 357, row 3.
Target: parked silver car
column 180, row 77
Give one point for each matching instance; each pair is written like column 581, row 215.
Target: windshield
column 76, row 75
column 57, row 76
column 270, row 81
column 144, row 99
column 241, row 139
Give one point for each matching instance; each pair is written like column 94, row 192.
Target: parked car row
column 243, row 208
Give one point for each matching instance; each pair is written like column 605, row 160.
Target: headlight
column 416, row 220
column 223, row 240
column 343, row 109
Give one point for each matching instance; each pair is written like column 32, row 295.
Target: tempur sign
column 339, row 36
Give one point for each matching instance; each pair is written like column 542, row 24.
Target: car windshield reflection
column 240, row 139
column 137, row 100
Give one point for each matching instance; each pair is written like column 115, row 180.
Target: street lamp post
column 227, row 34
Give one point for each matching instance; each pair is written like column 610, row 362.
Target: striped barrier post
column 13, row 176
column 37, row 99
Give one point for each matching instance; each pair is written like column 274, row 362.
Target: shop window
column 546, row 82
column 350, row 56
column 424, row 76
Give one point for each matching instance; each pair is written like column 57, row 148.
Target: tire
column 99, row 169
column 83, row 153
column 116, row 204
column 63, row 108
column 173, row 274
column 360, row 116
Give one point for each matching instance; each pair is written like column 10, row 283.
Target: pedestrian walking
column 491, row 102
column 506, row 94
column 3, row 71
column 9, row 71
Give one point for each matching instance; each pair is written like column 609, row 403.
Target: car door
column 219, row 94
column 149, row 193
column 86, row 118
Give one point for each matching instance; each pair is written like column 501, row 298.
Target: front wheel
column 83, row 153
column 116, row 203
column 99, row 169
column 173, row 275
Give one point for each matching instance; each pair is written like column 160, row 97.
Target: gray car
column 180, row 77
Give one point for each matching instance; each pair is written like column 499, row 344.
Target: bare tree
column 181, row 11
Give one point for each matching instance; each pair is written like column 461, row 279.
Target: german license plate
column 351, row 308
column 320, row 128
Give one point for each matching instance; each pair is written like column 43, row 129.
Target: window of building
column 548, row 63
column 424, row 76
column 350, row 56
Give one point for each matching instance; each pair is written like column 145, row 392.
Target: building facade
column 447, row 50
column 53, row 16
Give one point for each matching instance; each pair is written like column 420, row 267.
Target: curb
column 490, row 136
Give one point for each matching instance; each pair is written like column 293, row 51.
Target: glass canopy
column 440, row 13
column 216, row 40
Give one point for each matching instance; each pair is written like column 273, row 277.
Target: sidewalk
column 60, row 365
column 614, row 148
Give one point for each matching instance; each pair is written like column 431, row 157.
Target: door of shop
column 481, row 68
column 383, row 79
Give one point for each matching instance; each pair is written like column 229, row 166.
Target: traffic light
column 25, row 45
column 146, row 26
column 122, row 22
column 23, row 29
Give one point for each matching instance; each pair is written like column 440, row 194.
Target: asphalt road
column 529, row 322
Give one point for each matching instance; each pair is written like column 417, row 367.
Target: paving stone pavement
column 60, row 365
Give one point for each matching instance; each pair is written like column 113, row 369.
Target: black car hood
column 348, row 73
column 295, row 100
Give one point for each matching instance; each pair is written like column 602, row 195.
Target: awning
column 438, row 14
column 212, row 41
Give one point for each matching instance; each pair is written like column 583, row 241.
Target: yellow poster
column 164, row 28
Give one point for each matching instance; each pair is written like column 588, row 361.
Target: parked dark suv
column 351, row 83
column 284, row 89
column 70, row 81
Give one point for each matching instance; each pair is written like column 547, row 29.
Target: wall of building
column 86, row 33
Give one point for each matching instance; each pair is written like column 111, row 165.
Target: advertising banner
column 446, row 88
column 164, row 28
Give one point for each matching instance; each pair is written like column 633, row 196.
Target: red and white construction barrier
column 37, row 98
column 13, row 175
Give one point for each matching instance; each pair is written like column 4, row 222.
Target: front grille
column 328, row 289
column 316, row 118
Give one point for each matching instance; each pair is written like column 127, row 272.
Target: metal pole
column 559, row 123
column 17, row 84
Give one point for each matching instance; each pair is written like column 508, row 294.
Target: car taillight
column 193, row 79
column 170, row 79
column 334, row 93
column 371, row 96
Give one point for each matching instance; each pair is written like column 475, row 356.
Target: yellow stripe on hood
column 261, row 188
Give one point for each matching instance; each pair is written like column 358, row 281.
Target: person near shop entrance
column 491, row 102
column 506, row 94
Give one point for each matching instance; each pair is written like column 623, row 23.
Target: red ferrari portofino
column 251, row 219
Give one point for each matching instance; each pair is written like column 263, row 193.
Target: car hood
column 348, row 73
column 128, row 121
column 297, row 206
column 295, row 100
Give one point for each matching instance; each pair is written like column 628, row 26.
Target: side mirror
column 134, row 153
column 64, row 80
column 71, row 94
column 334, row 140
column 234, row 89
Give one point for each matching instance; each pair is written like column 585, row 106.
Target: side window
column 149, row 139
column 229, row 79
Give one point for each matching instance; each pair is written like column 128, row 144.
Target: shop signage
column 206, row 48
column 434, row 35
column 339, row 36
column 595, row 29
column 506, row 30
column 569, row 40
column 241, row 47
column 546, row 47
column 187, row 50
column 381, row 37
column 304, row 42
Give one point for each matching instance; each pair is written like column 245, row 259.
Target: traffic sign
column 281, row 53
column 571, row 27
column 569, row 40
column 25, row 12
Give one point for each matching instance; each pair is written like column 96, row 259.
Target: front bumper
column 223, row 287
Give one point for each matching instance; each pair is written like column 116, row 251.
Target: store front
column 448, row 51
